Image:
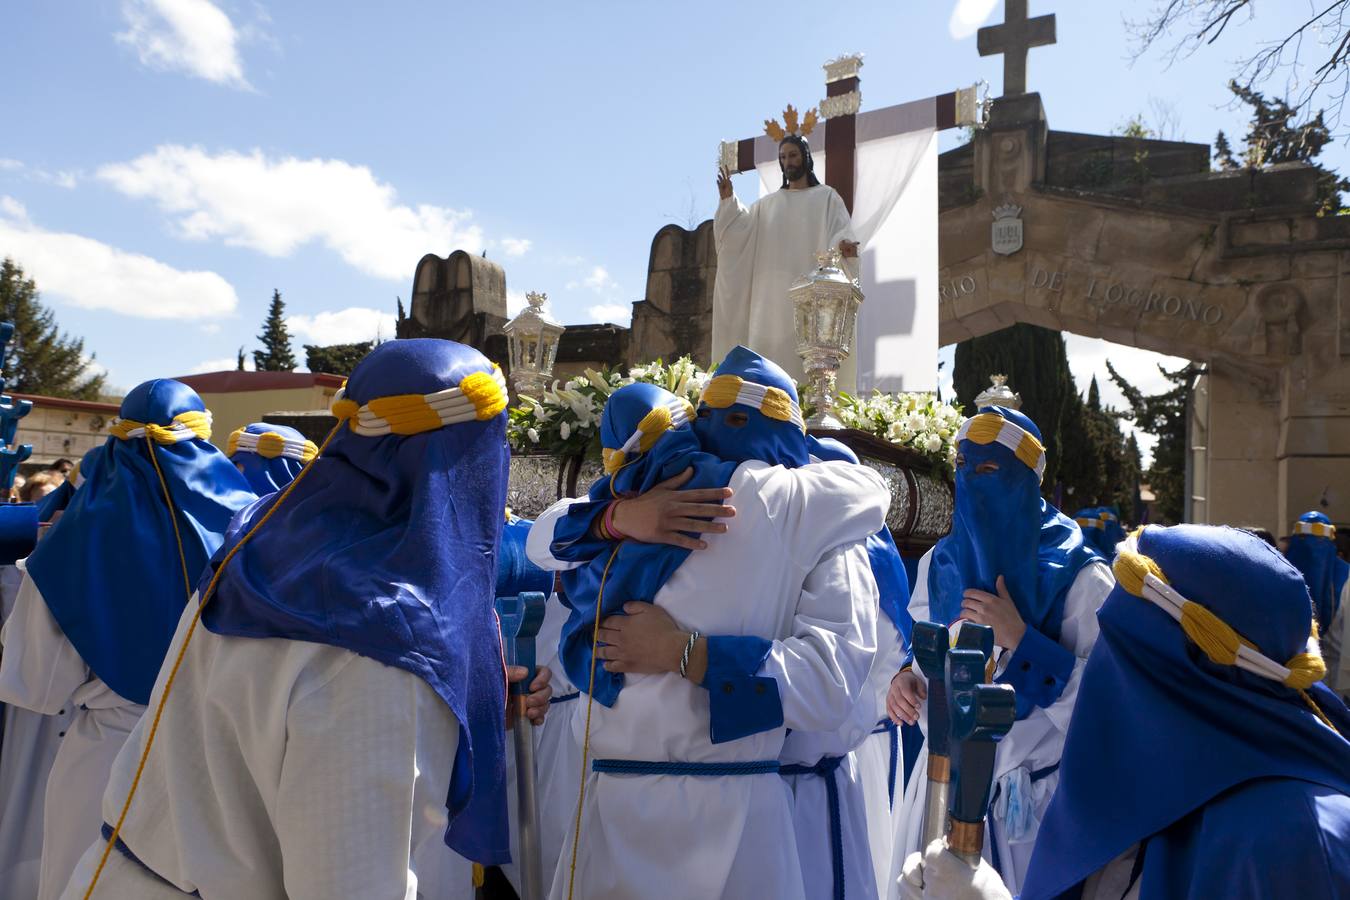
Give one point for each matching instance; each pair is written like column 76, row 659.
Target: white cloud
column 10, row 165
column 61, row 179
column 191, row 36
column 598, row 280
column 276, row 205
column 616, row 313
column 94, row 275
column 224, row 364
column 968, row 16
column 345, row 326
column 515, row 246
column 515, row 302
column 209, row 328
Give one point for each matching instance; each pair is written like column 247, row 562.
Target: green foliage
column 1273, row 137
column 239, row 366
column 276, row 355
column 1163, row 416
column 40, row 359
column 336, row 359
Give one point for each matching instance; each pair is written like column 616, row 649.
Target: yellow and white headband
column 675, row 414
column 479, row 397
column 193, row 425
column 1316, row 529
column 991, row 428
column 1141, row 576
column 270, row 444
column 1091, row 523
column 722, row 391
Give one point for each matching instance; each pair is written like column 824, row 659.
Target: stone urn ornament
column 825, row 308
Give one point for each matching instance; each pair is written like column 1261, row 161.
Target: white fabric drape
column 895, row 216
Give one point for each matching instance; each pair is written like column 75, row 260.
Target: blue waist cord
column 662, row 767
column 826, row 768
column 888, row 727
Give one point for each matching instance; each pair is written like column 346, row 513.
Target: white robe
column 875, row 763
column 283, row 770
column 42, row 671
column 761, row 252
column 1336, row 648
column 1033, row 743
column 27, row 751
column 732, row 836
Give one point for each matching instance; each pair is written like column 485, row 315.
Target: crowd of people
column 276, row 671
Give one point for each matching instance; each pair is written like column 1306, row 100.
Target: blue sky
column 166, row 163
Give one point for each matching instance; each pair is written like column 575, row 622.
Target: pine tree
column 336, row 359
column 40, row 359
column 1164, row 416
column 1037, row 366
column 1223, row 154
column 276, row 355
column 239, row 366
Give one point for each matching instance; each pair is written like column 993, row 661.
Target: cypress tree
column 276, row 355
column 1164, row 416
column 40, row 359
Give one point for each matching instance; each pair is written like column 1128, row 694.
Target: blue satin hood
column 1002, row 526
column 109, row 569
column 771, row 440
column 1101, row 529
column 387, row 547
column 638, row 570
column 515, row 573
column 268, row 474
column 1324, row 571
column 1159, row 731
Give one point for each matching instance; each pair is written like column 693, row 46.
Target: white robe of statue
column 27, row 751
column 761, row 251
column 283, row 770
column 731, row 837
column 1032, row 744
column 1336, row 647
column 42, row 671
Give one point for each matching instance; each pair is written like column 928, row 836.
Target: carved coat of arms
column 1007, row 229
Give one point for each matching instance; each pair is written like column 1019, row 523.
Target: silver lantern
column 825, row 305
column 998, row 394
column 532, row 342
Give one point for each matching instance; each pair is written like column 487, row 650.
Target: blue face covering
column 1159, row 731
column 59, row 499
column 265, row 470
column 641, row 451
column 110, row 568
column 1315, row 556
column 387, row 547
column 1002, row 526
column 888, row 568
column 740, row 426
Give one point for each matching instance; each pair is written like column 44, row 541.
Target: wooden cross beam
column 1013, row 39
column 845, row 126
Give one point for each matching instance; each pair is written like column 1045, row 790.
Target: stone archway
column 1082, row 234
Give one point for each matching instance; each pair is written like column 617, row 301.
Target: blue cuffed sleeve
column 740, row 702
column 1039, row 671
column 572, row 540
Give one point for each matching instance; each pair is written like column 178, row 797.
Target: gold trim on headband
column 722, row 391
column 192, row 425
column 1316, row 529
column 479, row 397
column 677, row 413
column 270, row 445
column 990, row 428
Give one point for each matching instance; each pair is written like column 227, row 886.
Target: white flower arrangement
column 565, row 418
column 917, row 422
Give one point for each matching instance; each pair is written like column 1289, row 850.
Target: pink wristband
column 607, row 522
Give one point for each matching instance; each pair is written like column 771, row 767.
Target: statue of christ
column 762, row 250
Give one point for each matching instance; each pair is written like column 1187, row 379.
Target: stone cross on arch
column 1013, row 39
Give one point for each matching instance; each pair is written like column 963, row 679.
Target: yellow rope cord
column 178, row 662
column 173, row 514
column 586, row 738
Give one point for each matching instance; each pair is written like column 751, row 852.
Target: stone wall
column 675, row 317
